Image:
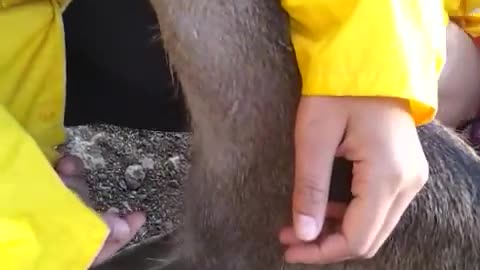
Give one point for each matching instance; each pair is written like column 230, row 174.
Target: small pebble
column 102, row 187
column 127, row 206
column 174, row 161
column 113, row 210
column 173, row 184
column 94, row 161
column 168, row 225
column 134, row 176
column 148, row 163
column 163, row 158
column 122, row 184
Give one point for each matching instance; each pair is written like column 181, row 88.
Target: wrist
column 391, row 107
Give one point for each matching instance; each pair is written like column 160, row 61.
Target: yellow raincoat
column 351, row 47
column 393, row 48
column 43, row 226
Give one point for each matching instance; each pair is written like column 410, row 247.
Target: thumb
column 319, row 129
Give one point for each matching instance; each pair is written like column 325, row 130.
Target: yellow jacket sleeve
column 389, row 48
column 466, row 13
column 43, row 226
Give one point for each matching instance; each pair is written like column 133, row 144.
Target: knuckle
column 372, row 252
column 396, row 176
column 370, row 255
column 359, row 250
column 424, row 173
column 419, row 177
column 402, row 178
column 420, row 180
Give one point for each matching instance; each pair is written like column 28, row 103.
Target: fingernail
column 307, row 228
column 121, row 229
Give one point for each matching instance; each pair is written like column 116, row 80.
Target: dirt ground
column 134, row 170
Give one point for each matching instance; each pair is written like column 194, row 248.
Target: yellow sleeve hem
column 422, row 112
column 391, row 48
column 45, row 226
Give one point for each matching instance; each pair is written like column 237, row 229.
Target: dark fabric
column 116, row 72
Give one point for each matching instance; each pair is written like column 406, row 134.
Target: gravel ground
column 134, row 170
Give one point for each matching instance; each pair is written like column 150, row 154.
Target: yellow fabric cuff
column 391, row 48
column 32, row 69
column 43, row 226
column 466, row 13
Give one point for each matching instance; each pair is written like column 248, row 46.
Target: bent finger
column 287, row 237
column 361, row 225
column 79, row 186
column 312, row 253
column 317, row 136
column 335, row 211
column 122, row 232
column 395, row 213
column 70, row 165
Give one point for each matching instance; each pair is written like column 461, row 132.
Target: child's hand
column 122, row 229
column 390, row 168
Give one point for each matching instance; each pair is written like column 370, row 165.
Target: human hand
column 389, row 169
column 122, row 229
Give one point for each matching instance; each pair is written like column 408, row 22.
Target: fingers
column 315, row 151
column 71, row 171
column 122, row 231
column 79, row 186
column 389, row 170
column 287, row 237
column 335, row 212
column 312, row 253
column 362, row 222
column 367, row 223
column 70, row 165
column 396, row 211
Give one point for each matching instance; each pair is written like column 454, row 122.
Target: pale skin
column 122, row 229
column 389, row 166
